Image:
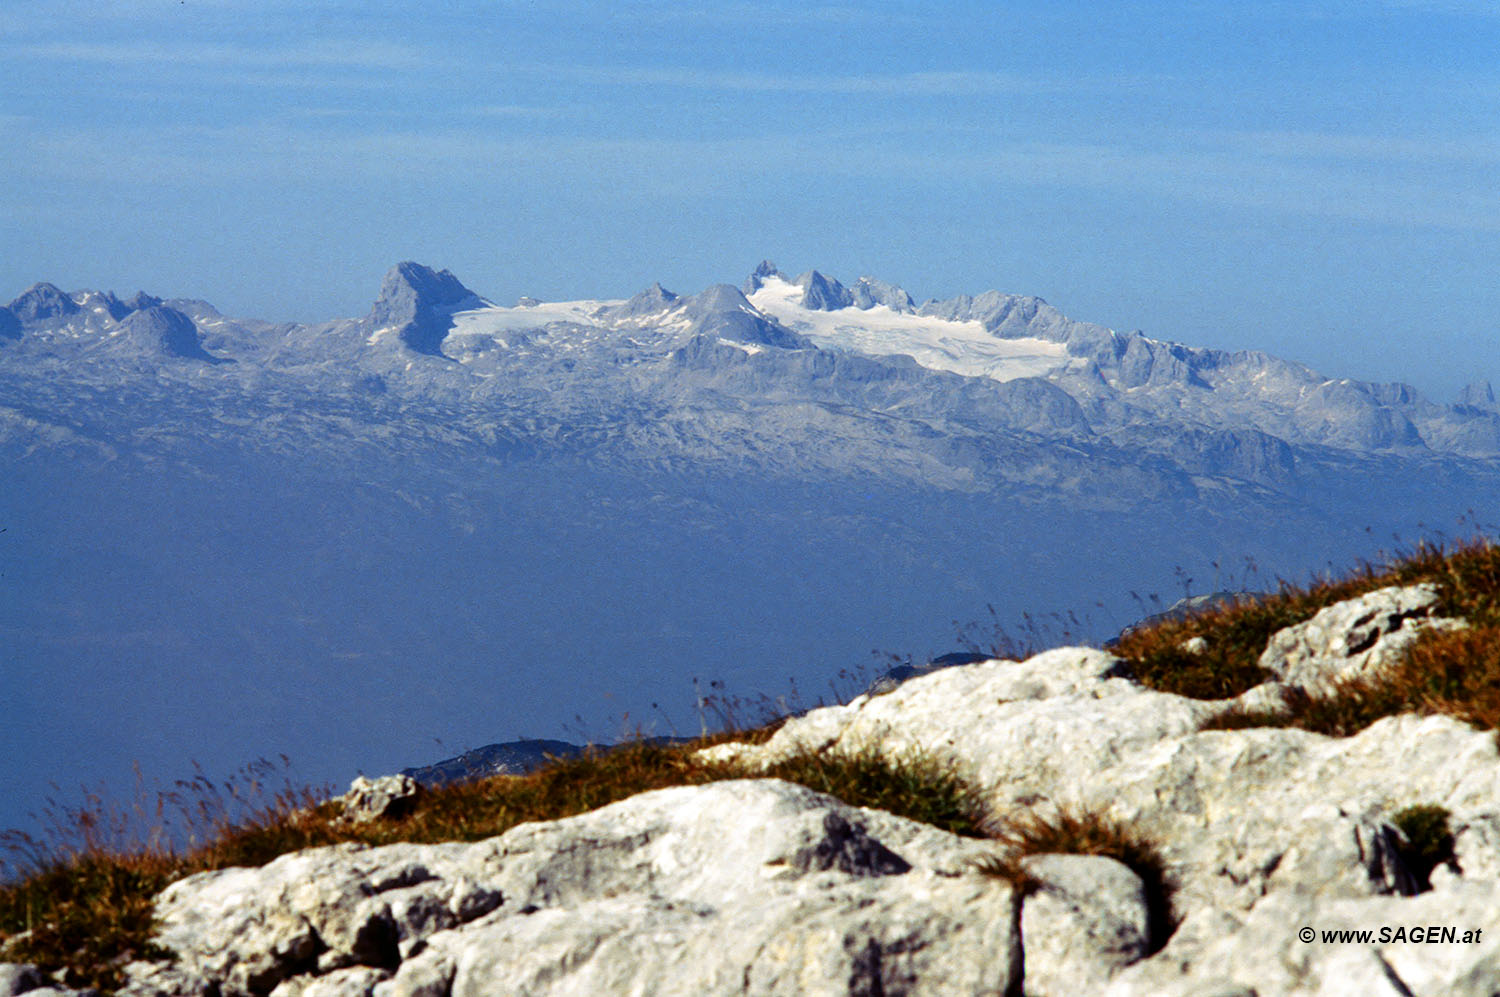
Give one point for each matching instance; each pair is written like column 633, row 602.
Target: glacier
column 374, row 541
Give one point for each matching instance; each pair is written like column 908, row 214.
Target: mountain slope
column 486, row 523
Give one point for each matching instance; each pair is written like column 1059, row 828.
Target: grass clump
column 916, row 787
column 1074, row 832
column 1233, row 638
column 86, row 903
column 1455, row 672
column 1426, row 841
column 1344, row 711
column 1452, row 672
column 90, row 915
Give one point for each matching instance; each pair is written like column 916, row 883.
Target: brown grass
column 1073, row 832
column 85, row 900
column 87, row 904
column 1452, row 672
column 1456, row 673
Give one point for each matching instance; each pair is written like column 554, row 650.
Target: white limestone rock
column 318, row 910
column 1476, row 844
column 1236, row 814
column 389, row 796
column 1085, row 918
column 1021, row 731
column 356, row 981
column 1261, row 952
column 754, row 884
column 824, row 936
column 19, row 978
column 164, row 979
column 1353, row 639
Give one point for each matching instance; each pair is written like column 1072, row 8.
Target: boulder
column 1265, row 952
column 389, row 796
column 1022, row 731
column 316, row 911
column 1353, row 639
column 1085, row 917
column 742, row 886
column 757, row 886
column 19, row 978
column 1235, row 814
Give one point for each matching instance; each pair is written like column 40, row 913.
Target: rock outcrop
column 1283, row 869
column 42, row 302
column 757, row 886
column 418, row 303
column 1353, row 639
column 388, row 797
column 723, row 312
column 167, row 332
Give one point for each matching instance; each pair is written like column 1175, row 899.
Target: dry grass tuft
column 1452, row 672
column 86, row 904
column 1426, row 841
column 84, row 900
column 1073, row 832
column 916, row 787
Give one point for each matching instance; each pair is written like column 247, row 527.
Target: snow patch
column 493, row 319
column 937, row 344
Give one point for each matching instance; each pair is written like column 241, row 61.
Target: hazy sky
column 1318, row 179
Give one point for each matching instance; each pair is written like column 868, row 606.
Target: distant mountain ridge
column 1022, row 366
column 481, row 521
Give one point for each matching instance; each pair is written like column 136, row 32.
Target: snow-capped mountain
column 484, row 520
column 879, row 385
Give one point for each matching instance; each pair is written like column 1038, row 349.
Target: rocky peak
column 42, row 302
column 1480, row 394
column 170, row 331
column 719, row 298
column 869, row 292
column 419, row 303
column 652, row 301
column 140, row 300
column 756, row 280
column 724, row 312
column 823, row 294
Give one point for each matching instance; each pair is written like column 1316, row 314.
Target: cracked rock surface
column 757, row 886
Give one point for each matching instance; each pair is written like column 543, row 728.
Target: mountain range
column 482, row 522
column 990, row 373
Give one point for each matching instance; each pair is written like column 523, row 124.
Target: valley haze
column 372, row 543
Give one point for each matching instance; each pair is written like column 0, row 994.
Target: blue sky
column 1316, row 179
